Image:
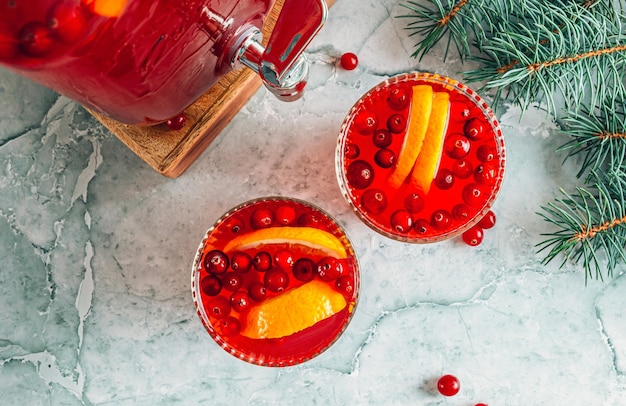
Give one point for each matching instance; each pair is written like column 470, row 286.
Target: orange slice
column 293, row 311
column 421, row 104
column 108, row 8
column 307, row 236
column 428, row 159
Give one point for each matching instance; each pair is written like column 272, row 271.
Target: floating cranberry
column 401, row 221
column 461, row 212
column 474, row 195
column 177, row 122
column 304, row 269
column 329, row 269
column 399, row 98
column 240, row 301
column 457, row 145
column 486, row 153
column 262, row 261
column 474, row 128
column 444, row 179
column 360, row 174
column 234, row 224
column 276, row 280
column 35, row 39
column 461, row 112
column 232, row 281
column 230, row 326
column 422, row 227
column 448, row 385
column 481, row 404
column 284, row 259
column 473, row 236
column 216, row 262
column 240, row 262
column 218, row 307
column 68, row 22
column 345, row 285
column 382, row 138
column 8, row 43
column 366, row 122
column 374, row 201
column 257, row 291
column 349, row 61
column 211, row 285
column 414, row 202
column 261, row 218
column 352, row 151
column 486, row 174
column 462, row 169
column 285, row 215
column 310, row 220
column 488, row 221
column 385, row 158
column 396, row 123
column 440, row 219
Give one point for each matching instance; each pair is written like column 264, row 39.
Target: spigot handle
column 298, row 22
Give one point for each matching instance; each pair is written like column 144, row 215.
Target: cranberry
column 257, row 291
column 211, row 285
column 240, row 301
column 352, row 151
column 414, row 202
column 448, row 385
column 262, row 261
column 486, row 153
column 35, row 39
column 304, row 269
column 474, row 128
column 481, row 404
column 366, row 122
column 444, row 179
column 216, row 262
column 8, row 43
column 345, row 285
column 422, row 227
column 284, row 259
column 473, row 236
column 460, row 212
column 457, row 145
column 310, row 220
column 382, row 138
column 285, row 215
column 240, row 262
column 261, row 218
column 218, row 307
column 461, row 112
column 440, row 219
column 329, row 269
column 230, row 326
column 385, row 158
column 486, row 174
column 68, row 22
column 401, row 221
column 276, row 280
column 234, row 224
column 463, row 169
column 474, row 195
column 232, row 281
column 349, row 61
column 398, row 98
column 177, row 122
column 396, row 123
column 360, row 174
column 488, row 221
column 374, row 201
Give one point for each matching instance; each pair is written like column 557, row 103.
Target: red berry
column 422, row 227
column 486, row 153
column 463, row 169
column 360, row 174
column 349, row 61
column 398, row 98
column 276, row 280
column 461, row 112
column 488, row 221
column 474, row 128
column 366, row 122
column 396, row 123
column 385, row 158
column 261, row 218
column 177, row 122
column 262, row 261
column 211, row 285
column 401, row 221
column 457, row 145
column 414, row 202
column 481, row 404
column 329, row 268
column 240, row 262
column 352, row 151
column 460, row 212
column 382, row 138
column 257, row 291
column 473, row 236
column 448, row 385
column 440, row 219
column 235, row 225
column 486, row 174
column 345, row 285
column 230, row 326
column 216, row 262
column 374, row 201
column 67, row 21
column 218, row 307
column 444, row 179
column 8, row 42
column 284, row 259
column 310, row 220
column 232, row 281
column 285, row 215
column 474, row 194
column 304, row 269
column 35, row 39
column 240, row 301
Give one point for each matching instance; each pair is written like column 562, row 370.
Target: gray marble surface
column 97, row 249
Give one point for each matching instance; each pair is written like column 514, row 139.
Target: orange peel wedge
column 293, row 311
column 308, row 236
column 108, row 8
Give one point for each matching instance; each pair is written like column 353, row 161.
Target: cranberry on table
column 488, row 221
column 349, row 61
column 216, row 262
column 474, row 236
column 177, row 122
column 448, row 385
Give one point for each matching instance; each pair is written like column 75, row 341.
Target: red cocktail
column 275, row 281
column 420, row 158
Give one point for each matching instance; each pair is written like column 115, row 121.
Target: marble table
column 97, row 249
